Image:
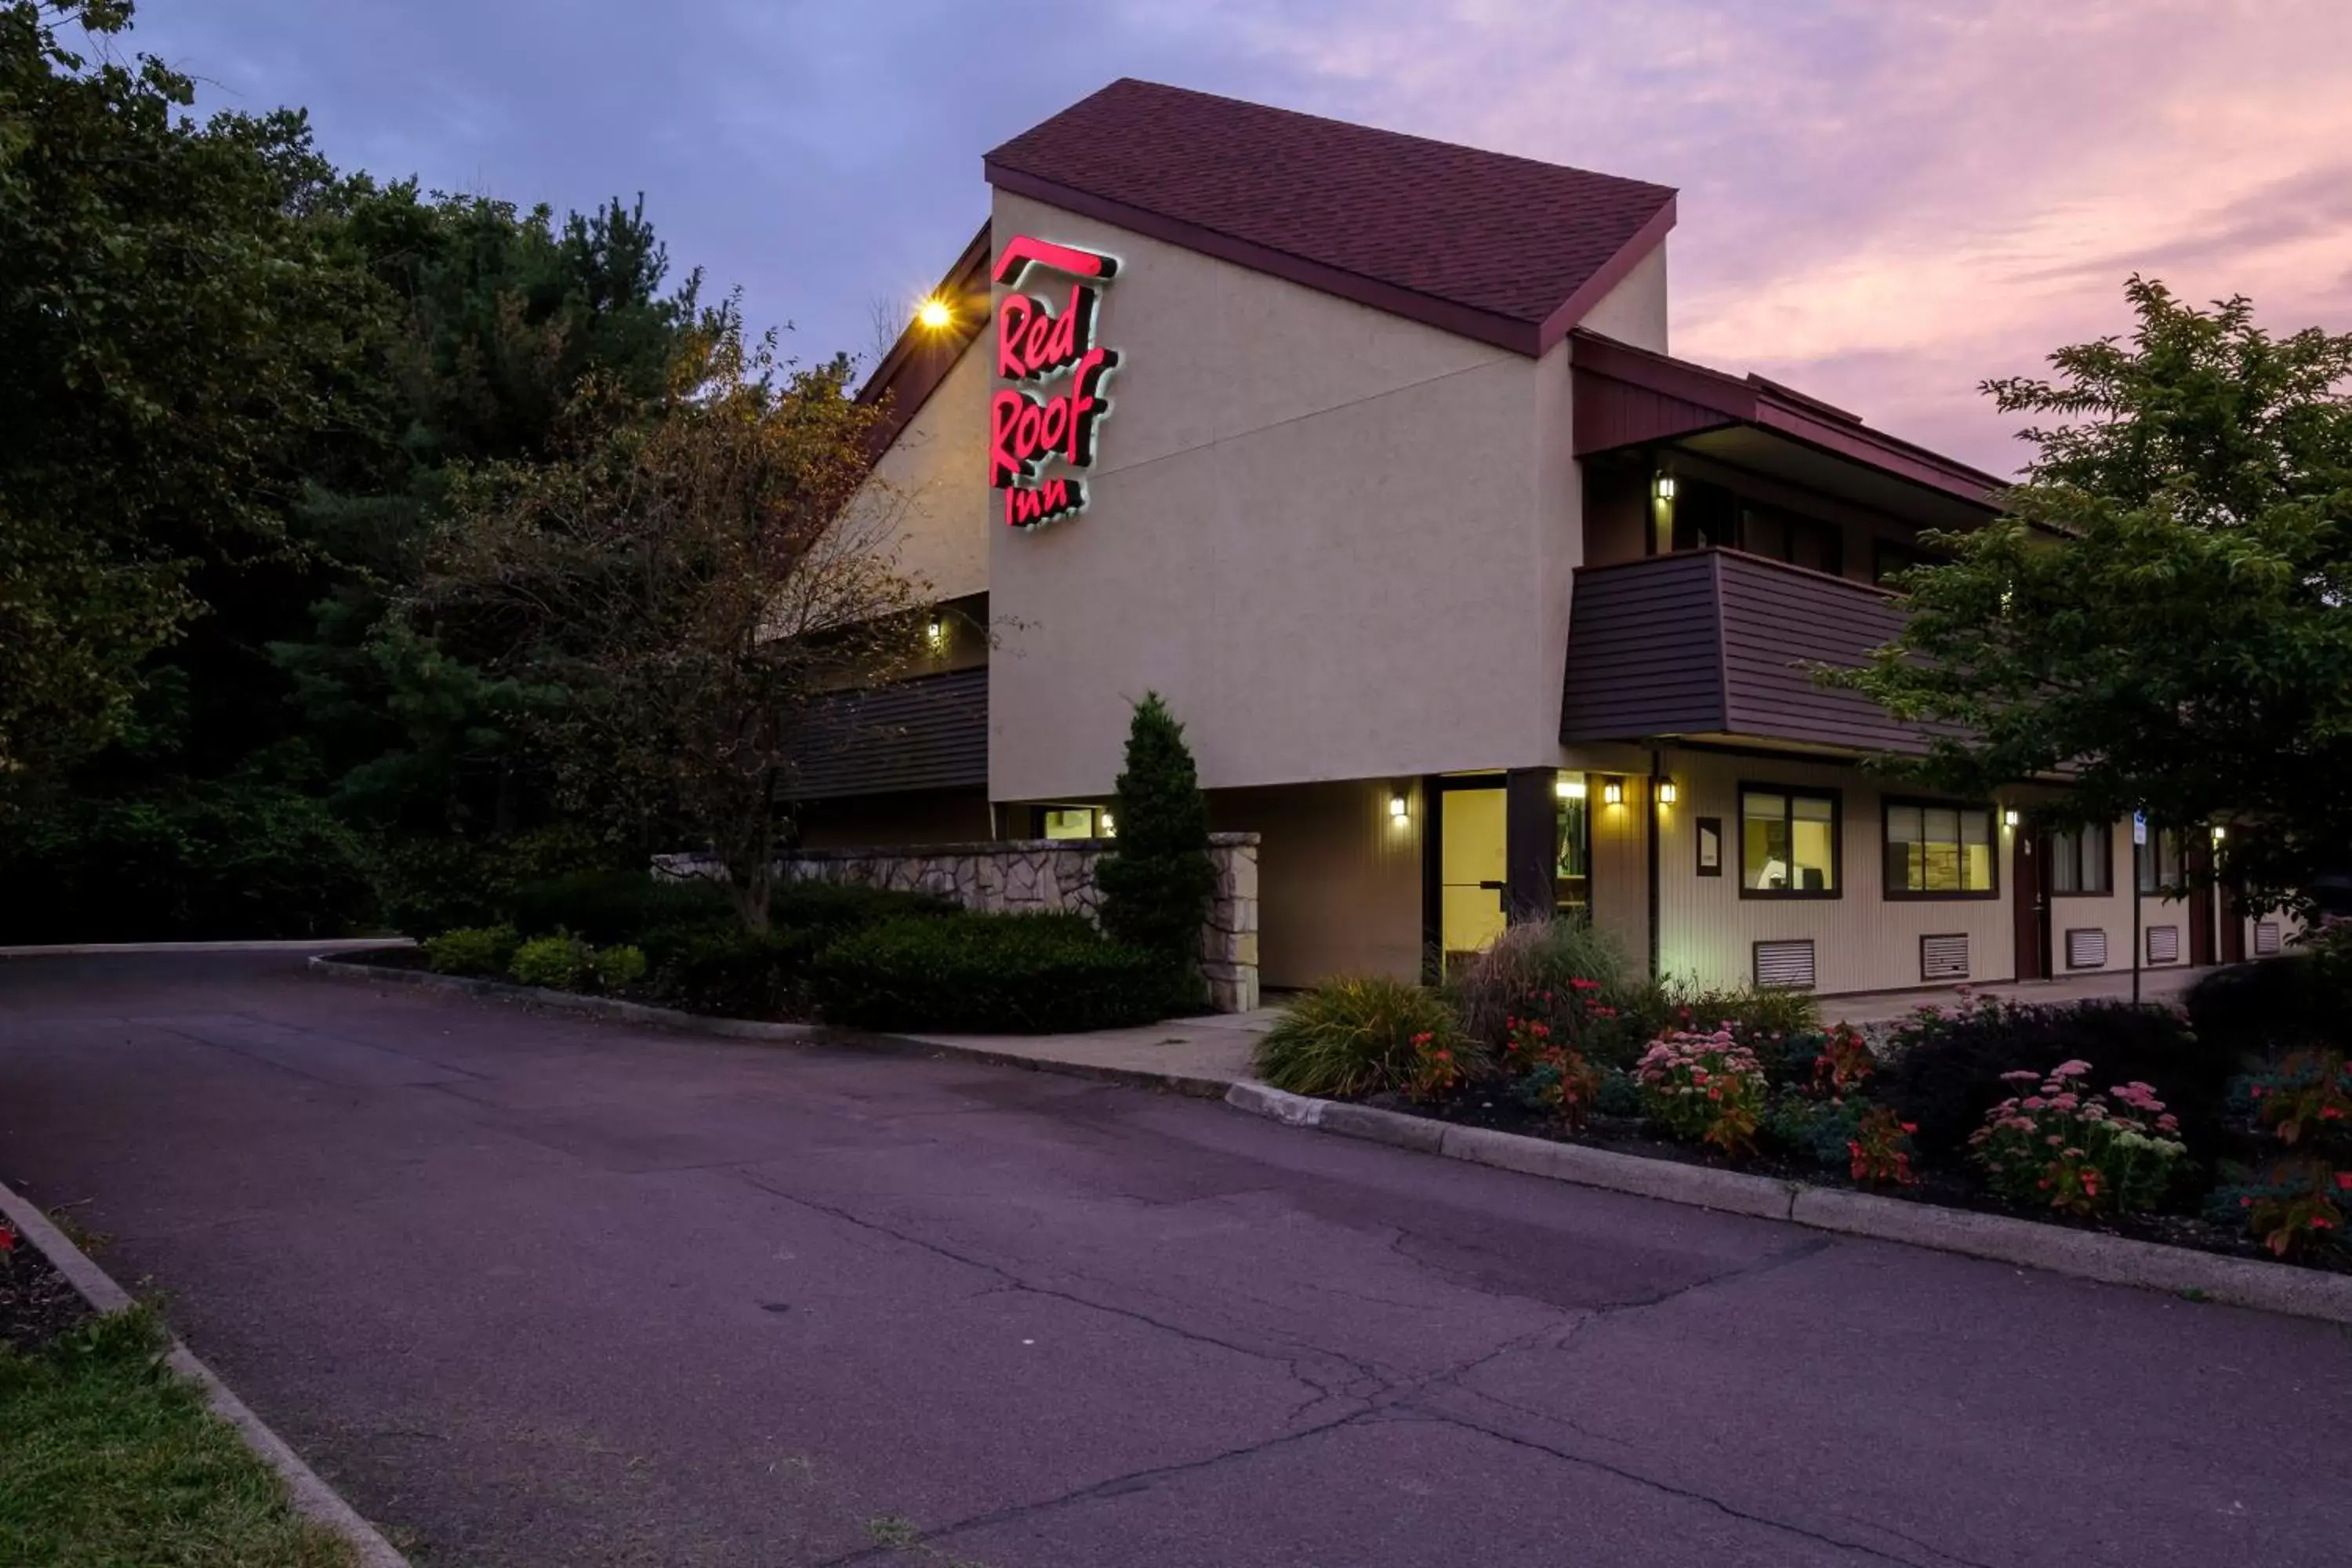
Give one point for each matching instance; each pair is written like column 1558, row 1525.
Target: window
column 1571, row 868
column 1800, row 541
column 2081, row 860
column 1939, row 851
column 1787, row 843
column 2157, row 863
column 1074, row 822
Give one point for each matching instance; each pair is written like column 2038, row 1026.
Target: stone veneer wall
column 1057, row 875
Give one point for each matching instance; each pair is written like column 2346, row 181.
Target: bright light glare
column 934, row 314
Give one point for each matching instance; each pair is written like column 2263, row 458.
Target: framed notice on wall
column 1710, row 847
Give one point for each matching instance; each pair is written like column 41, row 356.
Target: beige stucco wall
column 1338, row 542
column 1339, row 880
column 1634, row 311
column 928, row 493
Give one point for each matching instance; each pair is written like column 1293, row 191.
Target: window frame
column 2050, row 838
column 2147, row 864
column 1793, row 793
column 1906, row 896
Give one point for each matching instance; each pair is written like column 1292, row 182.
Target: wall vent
column 2086, row 948
column 1944, row 957
column 2266, row 937
column 2164, row 944
column 1784, row 966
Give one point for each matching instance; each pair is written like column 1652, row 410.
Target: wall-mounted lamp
column 2009, row 820
column 1396, row 808
column 1666, row 792
column 1109, row 829
column 936, row 632
column 1612, row 794
column 2219, row 833
column 1666, row 487
column 1569, row 789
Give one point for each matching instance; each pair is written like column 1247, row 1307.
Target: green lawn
column 108, row 1460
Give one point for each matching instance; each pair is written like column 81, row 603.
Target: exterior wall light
column 1109, row 829
column 1569, row 789
column 1666, row 792
column 2219, row 833
column 1612, row 794
column 934, row 314
column 1666, row 487
column 2009, row 820
column 936, row 633
column 1396, row 808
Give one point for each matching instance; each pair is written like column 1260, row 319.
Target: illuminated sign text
column 1036, row 346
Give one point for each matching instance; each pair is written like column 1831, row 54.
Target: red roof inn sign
column 1035, row 348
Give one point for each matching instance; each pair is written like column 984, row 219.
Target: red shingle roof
column 1506, row 249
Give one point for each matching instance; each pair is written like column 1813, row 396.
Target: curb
column 2077, row 1254
column 752, row 1029
column 311, row 1497
column 93, row 949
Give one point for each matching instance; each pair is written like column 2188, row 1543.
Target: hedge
column 994, row 974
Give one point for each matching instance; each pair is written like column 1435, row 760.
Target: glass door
column 1470, row 866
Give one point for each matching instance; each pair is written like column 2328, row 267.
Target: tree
column 173, row 334
column 692, row 580
column 1156, row 886
column 2160, row 616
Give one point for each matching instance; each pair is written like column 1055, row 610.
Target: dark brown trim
column 1768, row 407
column 1836, row 797
column 1971, row 895
column 1484, row 326
column 1614, row 271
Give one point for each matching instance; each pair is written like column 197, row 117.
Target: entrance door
column 2234, row 929
column 2030, row 890
column 1471, row 866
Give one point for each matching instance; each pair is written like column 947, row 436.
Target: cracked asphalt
column 536, row 1289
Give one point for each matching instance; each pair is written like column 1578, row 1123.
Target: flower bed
column 2120, row 1119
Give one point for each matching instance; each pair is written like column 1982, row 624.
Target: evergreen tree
column 1157, row 885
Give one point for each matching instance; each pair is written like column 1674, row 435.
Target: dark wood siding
column 1714, row 642
column 929, row 733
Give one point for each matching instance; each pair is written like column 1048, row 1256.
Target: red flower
column 7, row 1239
column 2344, row 1181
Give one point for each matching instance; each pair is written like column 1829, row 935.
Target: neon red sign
column 1036, row 344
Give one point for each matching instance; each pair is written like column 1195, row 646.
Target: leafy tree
column 691, row 580
column 174, row 335
column 2161, row 614
column 1157, row 885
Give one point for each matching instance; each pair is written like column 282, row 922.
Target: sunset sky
column 1881, row 204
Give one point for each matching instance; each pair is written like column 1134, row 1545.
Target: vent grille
column 2266, row 936
column 2164, row 944
column 1944, row 957
column 1784, row 966
column 2086, row 948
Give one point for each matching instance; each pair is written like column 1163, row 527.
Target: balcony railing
column 1717, row 644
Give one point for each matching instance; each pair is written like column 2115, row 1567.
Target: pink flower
column 2023, row 1075
column 2034, row 1102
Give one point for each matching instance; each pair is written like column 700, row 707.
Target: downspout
column 1650, row 841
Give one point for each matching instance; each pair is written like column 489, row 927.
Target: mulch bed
column 1944, row 1189
column 37, row 1302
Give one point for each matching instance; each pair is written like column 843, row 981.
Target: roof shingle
column 1504, row 249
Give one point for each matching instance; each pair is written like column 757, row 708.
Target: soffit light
column 1570, row 789
column 2009, row 820
column 934, row 313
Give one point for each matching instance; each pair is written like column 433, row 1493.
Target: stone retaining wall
column 1057, row 876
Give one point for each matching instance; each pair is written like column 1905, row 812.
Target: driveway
column 536, row 1289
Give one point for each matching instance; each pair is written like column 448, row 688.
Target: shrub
column 724, row 969
column 827, row 909
column 1812, row 1128
column 1879, row 1152
column 1565, row 1084
column 1842, row 1062
column 2299, row 1203
column 618, row 967
column 1157, row 882
column 560, row 963
column 196, row 860
column 2064, row 1147
column 1618, row 1094
column 1530, row 960
column 1945, row 1070
column 472, row 950
column 613, row 906
column 991, row 973
column 2275, row 1005
column 1703, row 1089
column 1355, row 1035
column 2305, row 1103
column 1782, row 1027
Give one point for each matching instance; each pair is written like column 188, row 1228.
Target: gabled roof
column 1506, row 251
column 922, row 356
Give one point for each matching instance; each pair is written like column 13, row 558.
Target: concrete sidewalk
column 2108, row 986
column 1213, row 1051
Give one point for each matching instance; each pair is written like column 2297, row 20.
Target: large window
column 2082, row 860
column 2158, row 861
column 1787, row 843
column 1571, row 868
column 1939, row 851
